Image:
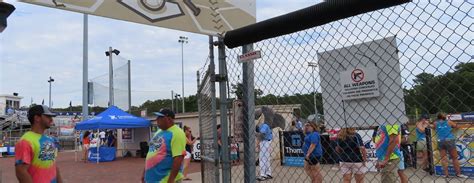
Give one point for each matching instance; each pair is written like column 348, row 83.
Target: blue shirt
column 419, row 135
column 313, row 138
column 444, row 130
column 266, row 131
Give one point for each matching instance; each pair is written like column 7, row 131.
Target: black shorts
column 447, row 145
column 312, row 160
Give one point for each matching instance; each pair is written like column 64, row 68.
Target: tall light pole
column 182, row 40
column 85, row 69
column 111, row 74
column 313, row 65
column 50, row 81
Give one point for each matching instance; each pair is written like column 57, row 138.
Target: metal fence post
column 429, row 146
column 214, row 111
column 249, row 119
column 223, row 112
column 198, row 95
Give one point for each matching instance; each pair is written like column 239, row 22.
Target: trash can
column 143, row 149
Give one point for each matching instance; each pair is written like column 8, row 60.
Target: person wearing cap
column 166, row 152
column 421, row 148
column 35, row 153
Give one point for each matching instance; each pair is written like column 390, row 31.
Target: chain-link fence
column 379, row 73
column 209, row 147
column 121, row 85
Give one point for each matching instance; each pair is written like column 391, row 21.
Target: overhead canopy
column 113, row 118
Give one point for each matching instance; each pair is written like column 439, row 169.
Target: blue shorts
column 401, row 165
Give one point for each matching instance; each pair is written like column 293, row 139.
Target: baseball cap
column 165, row 112
column 425, row 116
column 39, row 110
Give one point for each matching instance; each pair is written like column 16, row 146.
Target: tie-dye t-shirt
column 382, row 141
column 39, row 151
column 164, row 145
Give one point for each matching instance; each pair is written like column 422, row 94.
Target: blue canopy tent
column 112, row 118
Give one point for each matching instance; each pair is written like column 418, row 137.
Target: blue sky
column 40, row 42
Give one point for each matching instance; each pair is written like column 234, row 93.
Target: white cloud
column 41, row 42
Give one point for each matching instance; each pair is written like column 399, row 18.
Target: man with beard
column 35, row 153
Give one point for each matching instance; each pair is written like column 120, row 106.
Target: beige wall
column 139, row 135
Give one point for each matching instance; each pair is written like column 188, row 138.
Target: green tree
column 451, row 92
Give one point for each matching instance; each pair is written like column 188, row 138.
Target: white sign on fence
column 455, row 117
column 383, row 103
column 197, row 150
column 238, row 120
column 249, row 56
column 359, row 83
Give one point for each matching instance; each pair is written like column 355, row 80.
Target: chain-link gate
column 382, row 72
column 208, row 123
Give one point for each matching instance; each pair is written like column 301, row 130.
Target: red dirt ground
column 120, row 170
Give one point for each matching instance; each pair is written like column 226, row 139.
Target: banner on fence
column 370, row 148
column 293, row 148
column 197, row 150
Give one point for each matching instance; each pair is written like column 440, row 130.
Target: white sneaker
column 462, row 176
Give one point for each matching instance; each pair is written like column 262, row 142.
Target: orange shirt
column 86, row 140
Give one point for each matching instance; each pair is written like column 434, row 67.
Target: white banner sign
column 359, row 83
column 197, row 150
column 455, row 117
column 249, row 56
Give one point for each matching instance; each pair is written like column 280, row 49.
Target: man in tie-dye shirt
column 35, row 153
column 387, row 145
column 167, row 149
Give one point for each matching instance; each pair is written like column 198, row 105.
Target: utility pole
column 313, row 65
column 85, row 69
column 111, row 74
column 50, row 81
column 182, row 40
